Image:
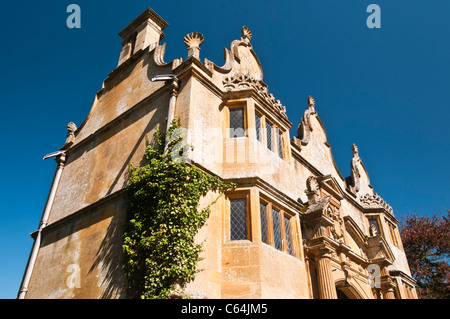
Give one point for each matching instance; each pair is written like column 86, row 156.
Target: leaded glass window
column 393, row 235
column 238, row 218
column 280, row 143
column 276, row 229
column 237, row 123
column 258, row 128
column 264, row 224
column 269, row 136
column 288, row 232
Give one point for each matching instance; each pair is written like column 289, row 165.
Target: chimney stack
column 145, row 30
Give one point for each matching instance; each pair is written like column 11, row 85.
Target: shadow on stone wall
column 109, row 258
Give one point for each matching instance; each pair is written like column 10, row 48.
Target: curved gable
column 312, row 141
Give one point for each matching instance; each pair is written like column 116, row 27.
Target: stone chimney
column 145, row 30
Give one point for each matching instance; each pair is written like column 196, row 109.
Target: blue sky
column 387, row 90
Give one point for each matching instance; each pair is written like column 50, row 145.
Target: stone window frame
column 280, row 142
column 227, row 229
column 260, row 129
column 409, row 290
column 277, row 135
column 233, row 106
column 264, row 239
column 282, row 214
column 394, row 235
column 250, row 110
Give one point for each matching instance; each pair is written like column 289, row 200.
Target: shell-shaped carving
column 71, row 127
column 194, row 40
column 246, row 33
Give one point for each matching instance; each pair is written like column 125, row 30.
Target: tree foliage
column 426, row 241
column 164, row 215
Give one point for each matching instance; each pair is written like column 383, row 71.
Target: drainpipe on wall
column 172, row 102
column 175, row 84
column 61, row 160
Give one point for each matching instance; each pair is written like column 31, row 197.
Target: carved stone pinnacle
column 246, row 33
column 193, row 42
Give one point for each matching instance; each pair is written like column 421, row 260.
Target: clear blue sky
column 387, row 90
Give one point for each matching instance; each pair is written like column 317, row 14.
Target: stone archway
column 344, row 290
column 341, row 294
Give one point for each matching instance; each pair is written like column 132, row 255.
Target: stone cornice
column 284, row 199
column 192, row 67
column 383, row 211
column 404, row 276
column 327, row 243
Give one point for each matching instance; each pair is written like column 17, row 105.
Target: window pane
column 393, row 237
column 288, row 230
column 264, row 224
column 269, row 136
column 280, row 143
column 258, row 127
column 238, row 218
column 236, row 123
column 276, row 229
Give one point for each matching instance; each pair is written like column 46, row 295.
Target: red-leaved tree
column 426, row 241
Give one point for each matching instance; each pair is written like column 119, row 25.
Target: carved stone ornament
column 246, row 34
column 158, row 57
column 375, row 201
column 193, row 42
column 305, row 128
column 71, row 128
column 238, row 82
column 333, row 212
column 373, row 230
column 355, row 175
column 312, row 190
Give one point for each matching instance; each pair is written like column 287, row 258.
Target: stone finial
column 246, row 34
column 355, row 150
column 305, row 127
column 193, row 42
column 312, row 190
column 355, row 175
column 311, row 102
column 71, row 128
